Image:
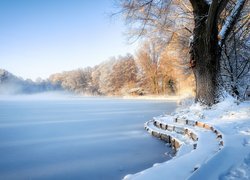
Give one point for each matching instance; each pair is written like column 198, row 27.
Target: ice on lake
column 78, row 138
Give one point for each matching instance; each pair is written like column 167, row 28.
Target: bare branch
column 230, row 21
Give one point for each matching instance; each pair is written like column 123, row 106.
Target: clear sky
column 41, row 37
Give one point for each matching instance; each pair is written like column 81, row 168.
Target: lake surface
column 78, row 138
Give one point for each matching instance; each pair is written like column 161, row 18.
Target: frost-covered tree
column 124, row 74
column 102, row 76
column 235, row 64
column 77, row 81
column 148, row 59
column 213, row 21
column 159, row 68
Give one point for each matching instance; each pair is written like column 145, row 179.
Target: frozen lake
column 78, row 138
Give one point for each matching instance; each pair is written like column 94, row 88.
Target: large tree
column 208, row 39
column 213, row 21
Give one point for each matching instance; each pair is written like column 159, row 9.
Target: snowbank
column 211, row 159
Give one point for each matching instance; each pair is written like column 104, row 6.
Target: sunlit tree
column 213, row 21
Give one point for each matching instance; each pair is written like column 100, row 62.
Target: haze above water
column 67, row 137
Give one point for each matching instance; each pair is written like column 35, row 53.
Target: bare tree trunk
column 205, row 59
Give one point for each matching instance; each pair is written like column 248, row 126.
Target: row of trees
column 150, row 71
column 107, row 78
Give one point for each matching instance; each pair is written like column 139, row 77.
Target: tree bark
column 206, row 54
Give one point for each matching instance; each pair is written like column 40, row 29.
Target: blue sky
column 41, row 37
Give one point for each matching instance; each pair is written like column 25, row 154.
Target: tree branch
column 199, row 5
column 211, row 18
column 230, row 21
column 214, row 12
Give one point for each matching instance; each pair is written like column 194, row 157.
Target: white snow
column 210, row 160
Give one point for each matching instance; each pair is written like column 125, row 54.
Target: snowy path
column 189, row 157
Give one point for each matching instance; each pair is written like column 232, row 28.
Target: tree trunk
column 205, row 56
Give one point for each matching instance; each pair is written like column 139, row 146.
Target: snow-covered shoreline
column 153, row 97
column 213, row 158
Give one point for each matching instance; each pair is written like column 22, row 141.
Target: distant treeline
column 11, row 84
column 150, row 71
column 113, row 77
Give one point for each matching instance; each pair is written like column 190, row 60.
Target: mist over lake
column 67, row 137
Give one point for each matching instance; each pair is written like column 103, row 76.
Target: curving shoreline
column 183, row 130
column 188, row 139
column 223, row 145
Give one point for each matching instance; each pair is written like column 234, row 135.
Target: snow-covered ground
column 221, row 155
